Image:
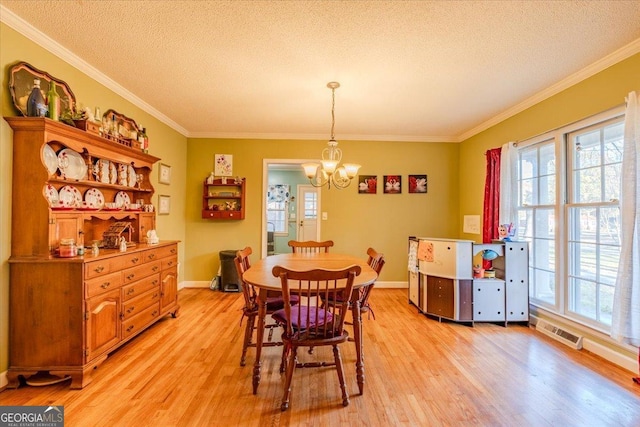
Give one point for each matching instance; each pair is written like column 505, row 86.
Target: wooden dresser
column 68, row 314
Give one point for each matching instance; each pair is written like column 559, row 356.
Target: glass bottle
column 35, row 103
column 53, row 100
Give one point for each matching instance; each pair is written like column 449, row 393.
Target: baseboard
column 616, row 353
column 205, row 284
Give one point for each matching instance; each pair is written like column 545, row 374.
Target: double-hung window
column 568, row 210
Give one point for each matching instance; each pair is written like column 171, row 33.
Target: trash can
column 229, row 274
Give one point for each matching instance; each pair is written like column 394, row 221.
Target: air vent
column 559, row 334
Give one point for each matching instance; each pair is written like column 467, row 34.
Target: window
column 277, row 208
column 568, row 210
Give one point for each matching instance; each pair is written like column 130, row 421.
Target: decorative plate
column 51, row 194
column 50, row 159
column 122, row 174
column 70, row 196
column 113, row 173
column 101, row 171
column 122, row 199
column 132, row 176
column 71, row 164
column 94, row 198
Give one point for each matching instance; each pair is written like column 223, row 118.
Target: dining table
column 260, row 276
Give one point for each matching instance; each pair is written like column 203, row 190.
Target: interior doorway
column 272, row 169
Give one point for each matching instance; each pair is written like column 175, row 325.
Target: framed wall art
column 223, row 165
column 367, row 184
column 164, row 205
column 417, row 183
column 392, row 184
column 164, row 174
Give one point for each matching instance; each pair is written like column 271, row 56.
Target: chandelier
column 328, row 171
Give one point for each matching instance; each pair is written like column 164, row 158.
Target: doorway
column 272, row 169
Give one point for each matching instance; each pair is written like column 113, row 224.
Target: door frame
column 265, row 181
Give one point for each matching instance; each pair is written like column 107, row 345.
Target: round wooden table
column 260, row 275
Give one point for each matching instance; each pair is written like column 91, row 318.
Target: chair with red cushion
column 309, row 246
column 250, row 310
column 311, row 323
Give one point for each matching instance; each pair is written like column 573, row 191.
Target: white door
column 308, row 213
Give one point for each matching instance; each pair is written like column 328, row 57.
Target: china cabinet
column 67, row 314
column 223, row 198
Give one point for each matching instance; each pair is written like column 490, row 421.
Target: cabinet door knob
column 131, row 276
column 105, row 285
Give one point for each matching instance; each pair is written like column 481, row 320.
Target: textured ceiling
column 409, row 70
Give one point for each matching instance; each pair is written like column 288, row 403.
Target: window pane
column 609, row 258
column 613, row 137
column 584, row 223
column 547, row 190
column 584, row 302
column 610, row 226
column 587, row 150
column 583, row 260
column 543, row 286
column 612, row 181
column 606, row 303
column 528, row 193
column 545, row 223
column 547, row 159
column 588, row 185
column 525, row 224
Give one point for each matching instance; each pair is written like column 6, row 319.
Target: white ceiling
column 409, row 70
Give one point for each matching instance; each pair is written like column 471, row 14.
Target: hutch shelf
column 68, row 314
column 223, row 199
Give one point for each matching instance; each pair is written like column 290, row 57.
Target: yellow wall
column 355, row 221
column 165, row 143
column 596, row 94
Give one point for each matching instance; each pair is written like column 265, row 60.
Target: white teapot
column 152, row 237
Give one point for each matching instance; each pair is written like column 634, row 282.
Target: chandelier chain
column 333, row 113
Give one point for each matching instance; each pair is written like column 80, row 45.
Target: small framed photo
column 417, row 183
column 223, row 165
column 164, row 204
column 367, row 184
column 164, row 174
column 392, row 184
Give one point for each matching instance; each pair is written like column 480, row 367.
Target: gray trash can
column 229, row 274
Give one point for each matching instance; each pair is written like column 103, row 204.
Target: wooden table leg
column 357, row 338
column 262, row 312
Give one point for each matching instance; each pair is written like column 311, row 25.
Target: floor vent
column 559, row 334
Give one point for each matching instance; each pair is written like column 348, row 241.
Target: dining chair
column 310, row 246
column 376, row 261
column 250, row 310
column 311, row 323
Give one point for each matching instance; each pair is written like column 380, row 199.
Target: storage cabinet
column 67, row 314
column 452, row 293
column 223, row 199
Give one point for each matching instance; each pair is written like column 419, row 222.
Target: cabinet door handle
column 135, row 260
column 155, row 295
column 105, row 285
column 155, row 313
column 170, row 263
column 130, row 291
column 155, row 268
column 155, row 282
column 99, row 269
column 131, row 276
column 130, row 328
column 152, row 256
column 173, row 250
column 130, row 309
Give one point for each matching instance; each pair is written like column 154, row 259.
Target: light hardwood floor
column 419, row 372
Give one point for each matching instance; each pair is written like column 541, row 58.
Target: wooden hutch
column 68, row 314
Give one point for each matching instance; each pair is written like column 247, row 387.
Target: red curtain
column 491, row 199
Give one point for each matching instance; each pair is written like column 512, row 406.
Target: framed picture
column 164, row 204
column 164, row 174
column 367, row 184
column 223, row 165
column 392, row 184
column 417, row 183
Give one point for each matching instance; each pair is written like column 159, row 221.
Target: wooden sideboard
column 68, row 314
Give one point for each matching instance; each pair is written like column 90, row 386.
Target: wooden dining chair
column 310, row 246
column 250, row 310
column 376, row 261
column 311, row 323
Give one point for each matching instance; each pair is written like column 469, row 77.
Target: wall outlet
column 324, row 216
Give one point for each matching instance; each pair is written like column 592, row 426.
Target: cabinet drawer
column 102, row 284
column 141, row 286
column 98, row 268
column 140, row 303
column 136, row 273
column 167, row 263
column 138, row 322
column 125, row 261
column 162, row 252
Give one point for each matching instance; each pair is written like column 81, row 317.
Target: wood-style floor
column 419, row 372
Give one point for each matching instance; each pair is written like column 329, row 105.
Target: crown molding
column 320, row 137
column 590, row 70
column 23, row 27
